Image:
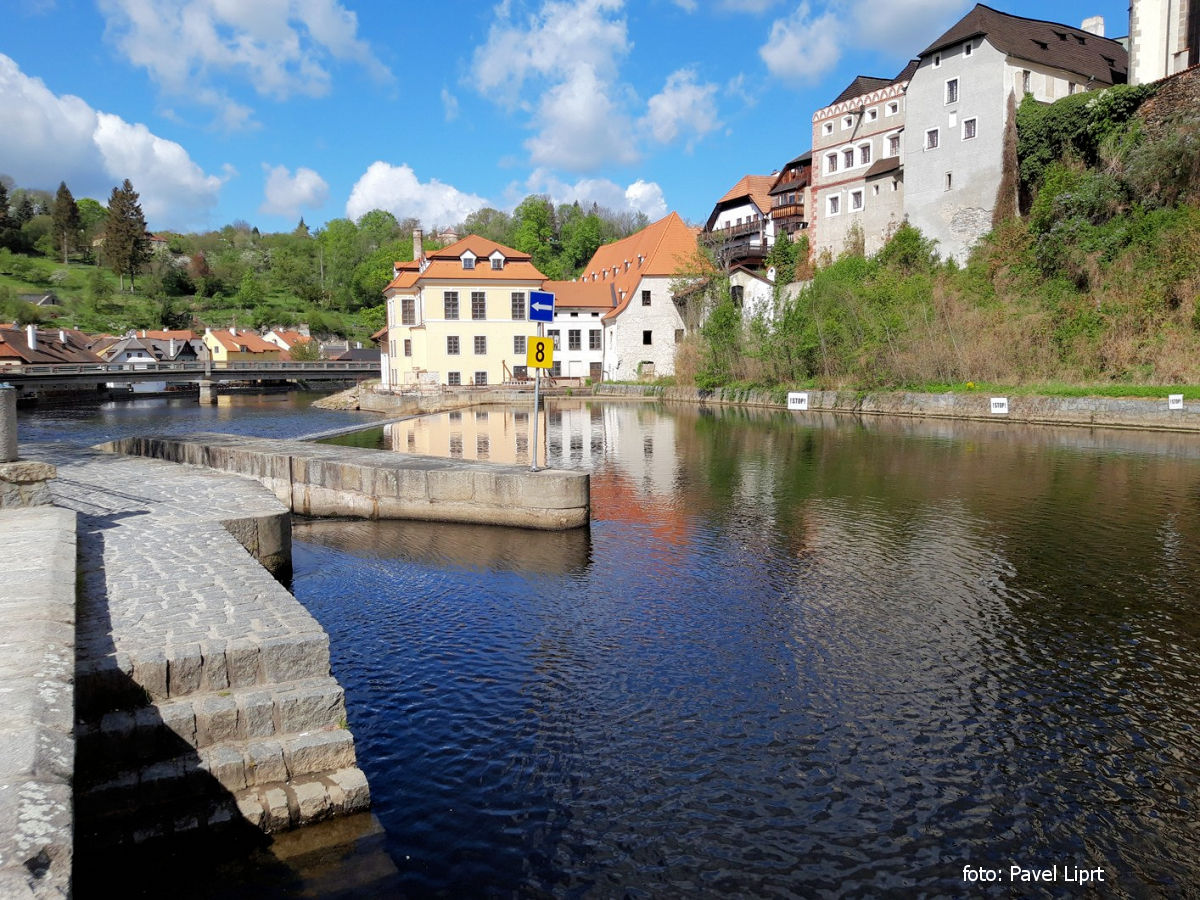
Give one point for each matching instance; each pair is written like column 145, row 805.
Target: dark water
column 790, row 657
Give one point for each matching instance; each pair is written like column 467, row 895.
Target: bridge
column 206, row 373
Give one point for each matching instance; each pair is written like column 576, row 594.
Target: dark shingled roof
column 882, row 166
column 863, row 84
column 1102, row 60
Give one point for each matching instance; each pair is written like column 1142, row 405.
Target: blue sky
column 269, row 110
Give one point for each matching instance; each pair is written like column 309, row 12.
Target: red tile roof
column 244, row 342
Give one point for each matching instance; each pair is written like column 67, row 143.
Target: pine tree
column 6, row 221
column 125, row 239
column 65, row 215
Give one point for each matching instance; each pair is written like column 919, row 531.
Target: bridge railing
column 201, row 368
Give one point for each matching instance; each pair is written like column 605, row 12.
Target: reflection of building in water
column 499, row 435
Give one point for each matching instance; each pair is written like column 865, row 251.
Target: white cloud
column 449, row 105
column 49, row 138
column 802, row 47
column 397, row 190
column 579, row 128
column 641, row 196
column 682, row 107
column 286, row 194
column 686, row 5
column 278, row 47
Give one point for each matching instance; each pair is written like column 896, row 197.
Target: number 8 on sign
column 539, row 352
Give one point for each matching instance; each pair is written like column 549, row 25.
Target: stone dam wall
column 328, row 480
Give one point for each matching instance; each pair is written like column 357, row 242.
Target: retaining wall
column 328, row 480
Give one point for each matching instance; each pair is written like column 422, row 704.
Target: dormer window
column 497, row 259
column 468, row 260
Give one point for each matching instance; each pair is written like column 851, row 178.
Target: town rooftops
column 663, row 249
column 244, row 342
column 469, row 258
column 597, row 296
column 866, row 84
column 755, row 189
column 1101, row 60
column 46, row 347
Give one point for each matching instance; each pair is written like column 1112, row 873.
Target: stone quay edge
column 329, row 480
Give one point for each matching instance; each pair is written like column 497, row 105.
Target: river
column 793, row 655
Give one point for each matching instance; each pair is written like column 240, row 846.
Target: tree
column 125, row 241
column 6, row 221
column 66, row 220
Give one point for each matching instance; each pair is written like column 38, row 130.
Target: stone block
column 295, row 657
column 451, row 485
column 312, row 802
column 353, row 785
column 227, row 765
column 150, row 671
column 185, row 669
column 216, row 720
column 250, row 807
column 278, row 811
column 264, row 763
column 243, row 663
column 216, row 669
column 311, row 707
column 319, row 751
column 256, row 715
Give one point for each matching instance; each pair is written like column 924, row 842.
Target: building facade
column 740, row 228
column 1164, row 38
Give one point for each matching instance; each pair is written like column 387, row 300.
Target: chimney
column 171, row 351
column 1094, row 25
column 418, row 244
column 31, row 336
column 62, row 336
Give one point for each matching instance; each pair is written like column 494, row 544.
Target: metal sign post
column 537, row 381
column 539, row 354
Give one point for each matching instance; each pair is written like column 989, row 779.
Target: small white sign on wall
column 999, row 406
column 1175, row 401
column 797, row 401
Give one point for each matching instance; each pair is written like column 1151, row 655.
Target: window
column 645, row 298
column 864, row 155
column 454, row 378
column 831, row 163
column 968, row 129
column 872, row 115
column 408, row 347
column 937, row 60
column 647, row 338
column 893, row 145
column 450, row 299
column 408, row 311
column 833, row 205
column 1072, row 87
column 520, row 372
column 480, row 379
column 556, row 371
column 478, row 305
column 856, row 200
column 847, row 122
column 480, row 344
column 949, row 180
column 931, row 139
column 874, row 190
column 452, row 345
column 952, row 90
column 1026, row 81
column 893, row 108
column 519, row 345
column 737, row 294
column 553, row 335
column 574, row 339
column 468, row 262
column 848, row 158
column 497, row 262
column 593, row 340
column 518, row 306
column 827, row 128
column 968, row 48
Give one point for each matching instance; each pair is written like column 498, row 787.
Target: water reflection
column 808, row 656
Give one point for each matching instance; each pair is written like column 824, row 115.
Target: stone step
column 224, row 768
column 165, row 729
column 270, row 807
column 124, row 679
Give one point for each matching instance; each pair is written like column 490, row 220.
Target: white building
column 957, row 102
column 740, row 228
column 1164, row 38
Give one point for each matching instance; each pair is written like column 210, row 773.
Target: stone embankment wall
column 327, row 480
column 1108, row 412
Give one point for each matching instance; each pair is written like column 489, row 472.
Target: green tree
column 491, row 224
column 67, row 224
column 536, row 233
column 250, row 293
column 7, row 224
column 126, row 244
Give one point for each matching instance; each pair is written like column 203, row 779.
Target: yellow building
column 240, row 346
column 458, row 316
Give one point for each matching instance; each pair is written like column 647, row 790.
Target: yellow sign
column 539, row 352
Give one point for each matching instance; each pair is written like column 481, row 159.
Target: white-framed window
column 864, row 154
column 480, row 345
column 408, row 310
column 497, row 262
column 847, row 122
column 831, row 160
column 454, row 379
column 518, row 306
column 893, row 108
column 827, row 128
column 968, row 48
column 468, row 262
column 874, row 190
column 480, row 378
column 937, row 60
column 872, row 114
column 968, row 129
column 931, row 139
column 450, row 304
column 833, row 205
column 848, row 158
column 519, row 344
column 1026, row 81
column 451, row 345
column 478, row 304
column 951, row 90
column 893, row 145
column 856, row 201
column 408, row 346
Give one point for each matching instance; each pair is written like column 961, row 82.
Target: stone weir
column 329, row 480
column 203, row 691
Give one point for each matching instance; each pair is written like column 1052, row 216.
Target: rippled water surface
column 790, row 657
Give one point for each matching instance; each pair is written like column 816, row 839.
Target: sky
column 267, row 111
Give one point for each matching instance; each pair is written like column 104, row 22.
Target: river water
column 791, row 656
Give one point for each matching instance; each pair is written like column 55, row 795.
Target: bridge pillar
column 208, row 392
column 8, row 423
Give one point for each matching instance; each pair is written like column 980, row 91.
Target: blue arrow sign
column 541, row 306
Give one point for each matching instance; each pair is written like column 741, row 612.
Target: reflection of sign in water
column 797, row 401
column 999, row 406
column 1175, row 401
column 539, row 352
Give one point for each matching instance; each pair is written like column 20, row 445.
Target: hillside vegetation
column 1098, row 282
